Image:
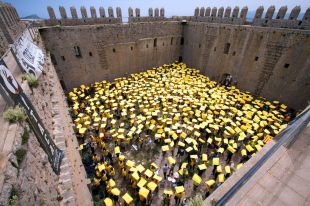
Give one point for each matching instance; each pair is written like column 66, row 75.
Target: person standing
column 165, row 170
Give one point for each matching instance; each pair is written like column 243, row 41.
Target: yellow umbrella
column 121, row 136
column 115, row 191
column 179, row 189
column 220, row 150
column 135, row 176
column 231, row 149
column 210, row 182
column 227, row 169
column 140, row 168
column 165, row 148
column 188, row 149
column 144, row 192
column 101, row 167
column 142, row 182
column 152, row 186
column 148, row 173
column 204, row 157
column 158, row 178
column 82, row 130
column 239, row 166
column 111, row 183
column 117, row 150
column 121, row 157
column 197, row 179
column 108, row 202
column 193, row 156
column 221, row 178
column 216, row 161
column 171, row 160
column 219, row 169
column 154, row 165
column 181, row 144
column 128, row 199
column 249, row 148
column 243, row 152
column 130, row 163
column 168, row 192
column 202, row 167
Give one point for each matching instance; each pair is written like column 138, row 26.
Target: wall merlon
column 208, row 11
column 220, row 12
column 294, row 13
column 202, row 14
column 227, row 12
column 243, row 13
column 282, row 12
column 307, row 15
column 93, row 12
column 150, row 12
column 110, row 12
column 213, row 12
column 153, row 15
column 156, row 13
column 270, row 12
column 83, row 12
column 130, row 12
column 202, row 11
column 118, row 12
column 102, row 12
column 196, row 12
column 63, row 12
column 235, row 12
column 162, row 12
column 259, row 12
column 73, row 12
column 51, row 13
column 137, row 10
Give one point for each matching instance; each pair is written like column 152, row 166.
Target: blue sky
column 172, row 7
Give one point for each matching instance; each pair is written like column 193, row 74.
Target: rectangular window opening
column 226, row 48
column 77, row 51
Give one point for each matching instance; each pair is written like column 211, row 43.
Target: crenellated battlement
column 133, row 16
column 85, row 18
column 153, row 15
column 220, row 15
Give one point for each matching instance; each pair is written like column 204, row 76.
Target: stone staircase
column 272, row 55
column 102, row 55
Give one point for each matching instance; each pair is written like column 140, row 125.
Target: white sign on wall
column 30, row 56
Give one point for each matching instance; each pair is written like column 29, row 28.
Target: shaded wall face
column 273, row 63
column 111, row 51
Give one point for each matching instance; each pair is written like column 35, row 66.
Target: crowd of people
column 204, row 130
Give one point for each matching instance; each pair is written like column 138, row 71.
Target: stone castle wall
column 270, row 62
column 36, row 181
column 111, row 50
column 10, row 26
column 261, row 18
column 237, row 16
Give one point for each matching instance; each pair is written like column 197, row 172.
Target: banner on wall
column 15, row 92
column 29, row 55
